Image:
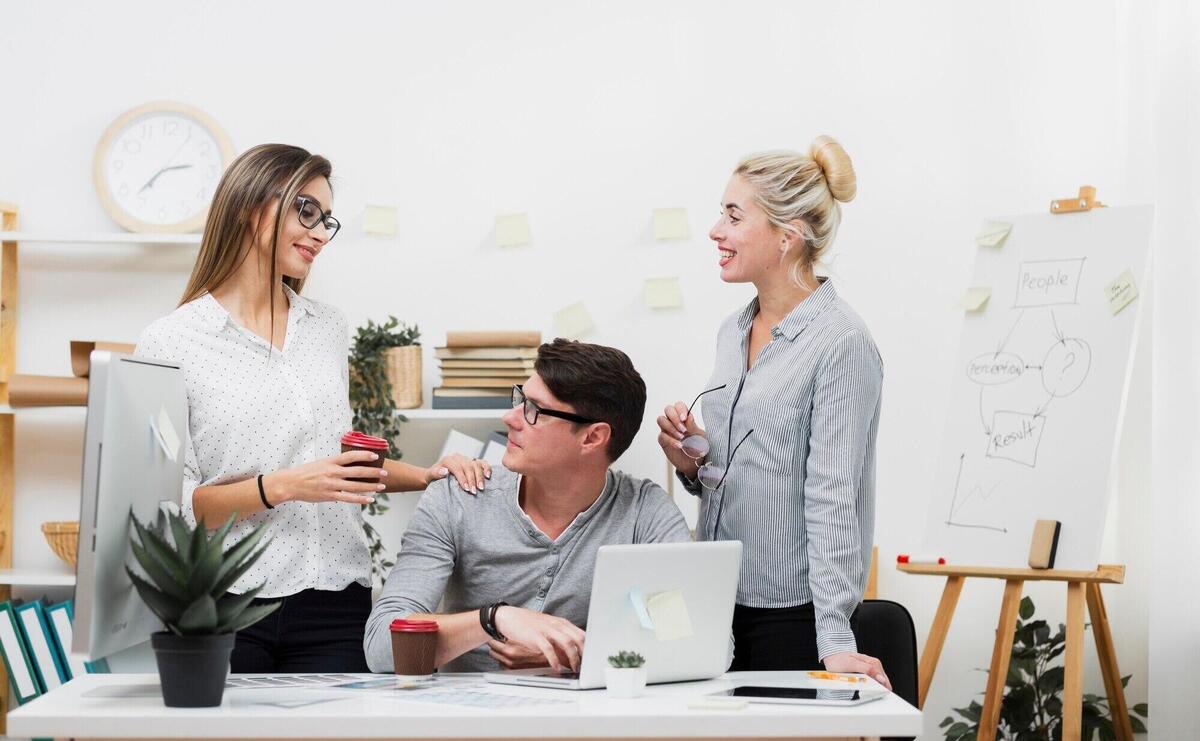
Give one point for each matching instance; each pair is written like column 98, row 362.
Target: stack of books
column 479, row 369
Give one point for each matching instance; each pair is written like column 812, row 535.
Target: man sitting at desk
column 528, row 540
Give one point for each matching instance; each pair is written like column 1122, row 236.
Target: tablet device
column 801, row 695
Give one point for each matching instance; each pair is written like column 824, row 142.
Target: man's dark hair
column 600, row 382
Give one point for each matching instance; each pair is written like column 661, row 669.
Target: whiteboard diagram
column 1038, row 390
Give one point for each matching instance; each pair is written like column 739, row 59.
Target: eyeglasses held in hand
column 532, row 411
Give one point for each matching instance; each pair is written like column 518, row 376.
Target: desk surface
column 130, row 706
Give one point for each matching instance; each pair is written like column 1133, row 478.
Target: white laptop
column 670, row 602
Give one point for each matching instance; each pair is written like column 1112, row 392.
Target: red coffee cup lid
column 400, row 625
column 359, row 440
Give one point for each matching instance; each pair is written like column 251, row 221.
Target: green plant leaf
column 229, row 579
column 200, row 618
column 1137, row 725
column 1026, row 608
column 1141, row 709
column 158, row 547
column 181, row 534
column 250, row 616
column 1125, row 679
column 196, row 550
column 165, row 608
column 159, row 574
column 231, row 605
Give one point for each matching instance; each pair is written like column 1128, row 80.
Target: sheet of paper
column 639, row 608
column 670, row 223
column 663, row 293
column 976, row 298
column 512, row 230
column 458, row 442
column 168, row 438
column 1121, row 292
column 993, row 233
column 573, row 321
column 669, row 613
column 380, row 220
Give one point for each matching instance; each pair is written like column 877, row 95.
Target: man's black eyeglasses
column 532, row 410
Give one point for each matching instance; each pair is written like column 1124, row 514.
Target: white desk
column 130, row 706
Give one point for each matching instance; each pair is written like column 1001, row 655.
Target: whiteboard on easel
column 1039, row 388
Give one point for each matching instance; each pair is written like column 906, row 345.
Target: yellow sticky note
column 663, row 293
column 512, row 230
column 976, row 298
column 670, row 223
column 380, row 220
column 573, row 322
column 1121, row 292
column 993, row 233
column 670, row 615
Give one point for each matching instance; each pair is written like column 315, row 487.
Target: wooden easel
column 1081, row 585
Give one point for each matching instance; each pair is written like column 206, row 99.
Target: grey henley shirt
column 465, row 551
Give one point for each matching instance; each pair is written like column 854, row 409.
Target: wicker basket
column 63, row 538
column 404, row 374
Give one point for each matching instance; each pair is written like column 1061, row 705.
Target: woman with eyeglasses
column 266, row 372
column 795, row 393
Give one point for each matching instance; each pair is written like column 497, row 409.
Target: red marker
column 905, row 558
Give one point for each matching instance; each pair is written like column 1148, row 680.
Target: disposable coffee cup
column 414, row 647
column 359, row 441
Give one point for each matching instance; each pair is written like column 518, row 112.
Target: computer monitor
column 132, row 458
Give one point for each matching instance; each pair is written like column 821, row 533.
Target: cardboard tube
column 47, row 391
column 81, row 354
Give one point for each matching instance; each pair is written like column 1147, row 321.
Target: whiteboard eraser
column 1044, row 544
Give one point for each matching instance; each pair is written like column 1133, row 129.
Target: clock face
column 157, row 169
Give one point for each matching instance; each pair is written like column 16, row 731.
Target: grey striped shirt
column 800, row 494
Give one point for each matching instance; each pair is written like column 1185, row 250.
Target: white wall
column 587, row 117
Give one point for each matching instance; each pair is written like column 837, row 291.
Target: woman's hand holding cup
column 354, row 476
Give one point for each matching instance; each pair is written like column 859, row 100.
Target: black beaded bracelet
column 262, row 494
column 487, row 620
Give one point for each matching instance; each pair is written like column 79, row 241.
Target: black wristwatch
column 487, row 619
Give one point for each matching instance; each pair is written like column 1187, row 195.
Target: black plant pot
column 192, row 669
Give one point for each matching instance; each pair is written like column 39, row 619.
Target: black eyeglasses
column 310, row 214
column 696, row 446
column 532, row 410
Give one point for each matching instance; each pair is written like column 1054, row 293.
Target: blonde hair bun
column 836, row 165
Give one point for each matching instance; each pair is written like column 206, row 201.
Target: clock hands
column 150, row 182
column 168, row 165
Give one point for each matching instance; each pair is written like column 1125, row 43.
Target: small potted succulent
column 186, row 578
column 625, row 675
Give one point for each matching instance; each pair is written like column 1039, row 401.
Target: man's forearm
column 457, row 634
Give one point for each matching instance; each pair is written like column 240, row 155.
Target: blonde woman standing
column 787, row 464
column 266, row 372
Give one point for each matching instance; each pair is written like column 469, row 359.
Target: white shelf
column 414, row 414
column 37, row 577
column 99, row 238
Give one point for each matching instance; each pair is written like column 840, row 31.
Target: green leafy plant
column 188, row 574
column 1031, row 709
column 626, row 660
column 375, row 411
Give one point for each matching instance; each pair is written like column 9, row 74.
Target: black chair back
column 885, row 630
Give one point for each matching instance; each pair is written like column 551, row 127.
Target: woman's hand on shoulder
column 675, row 424
column 471, row 473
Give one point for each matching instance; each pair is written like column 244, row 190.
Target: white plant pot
column 625, row 682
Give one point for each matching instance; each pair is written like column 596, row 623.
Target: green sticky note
column 976, row 298
column 1121, row 292
column 512, row 230
column 993, row 233
column 670, row 223
column 573, row 321
column 669, row 613
column 380, row 220
column 663, row 293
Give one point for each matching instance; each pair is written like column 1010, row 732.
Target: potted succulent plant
column 186, row 578
column 625, row 675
